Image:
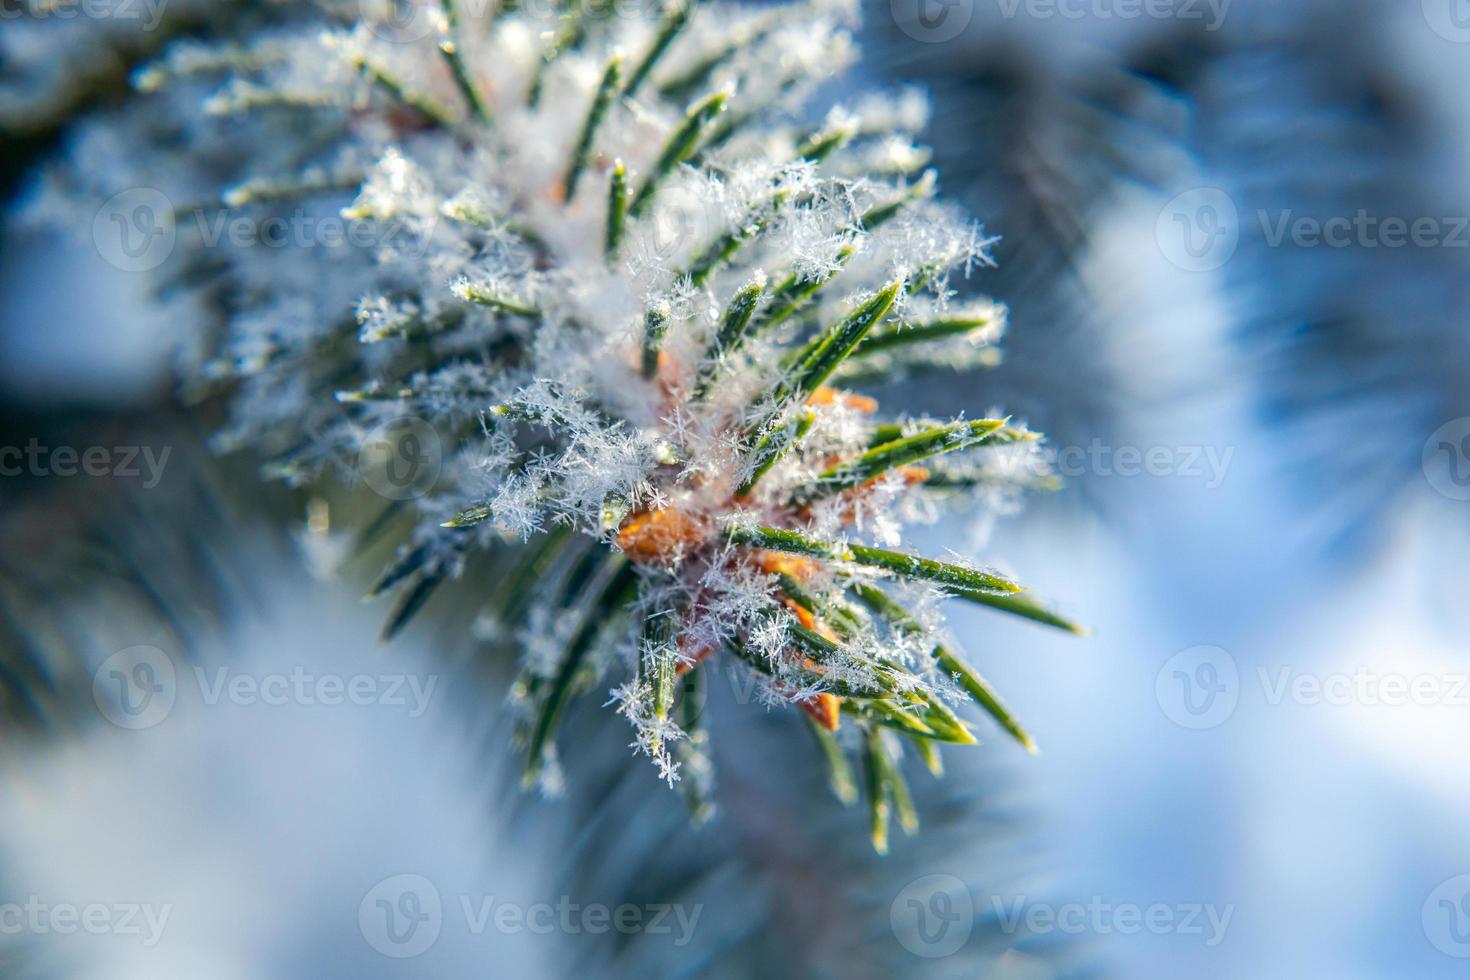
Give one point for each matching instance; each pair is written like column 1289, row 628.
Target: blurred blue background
column 1257, row 763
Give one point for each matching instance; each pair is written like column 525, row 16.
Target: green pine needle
column 389, row 83
column 984, row 695
column 955, row 578
column 686, row 84
column 692, row 751
column 449, row 48
column 660, row 658
column 933, row 761
column 673, row 22
column 600, row 617
column 796, row 291
column 617, row 209
column 731, row 334
column 879, row 790
column 680, row 147
column 482, row 295
column 606, row 89
column 1023, row 606
column 724, row 248
column 478, row 514
column 655, row 329
column 970, row 679
column 358, row 396
column 401, row 568
column 937, row 441
column 833, row 347
column 908, row 334
column 824, row 143
column 773, row 445
column 903, row 800
column 409, row 605
column 840, row 778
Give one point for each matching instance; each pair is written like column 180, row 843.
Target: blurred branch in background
column 111, row 530
column 1342, row 114
column 1042, row 139
column 1343, row 118
column 56, row 64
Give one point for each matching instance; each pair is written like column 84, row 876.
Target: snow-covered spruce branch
column 631, row 282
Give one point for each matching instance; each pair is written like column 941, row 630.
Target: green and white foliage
column 613, row 266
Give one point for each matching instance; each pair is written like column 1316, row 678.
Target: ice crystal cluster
column 609, row 259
